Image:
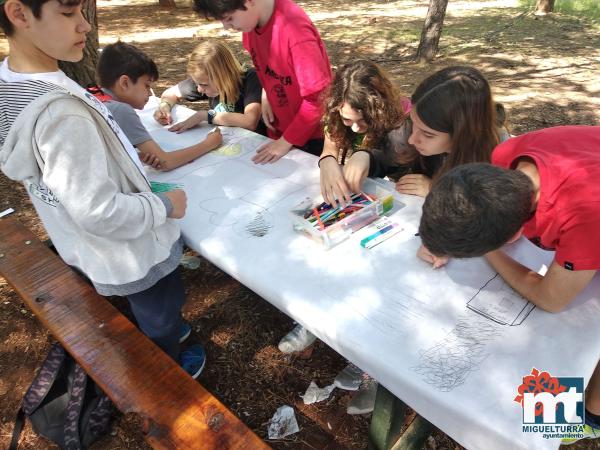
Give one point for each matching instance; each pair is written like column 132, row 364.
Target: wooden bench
column 138, row 377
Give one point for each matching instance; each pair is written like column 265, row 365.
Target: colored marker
column 157, row 186
column 380, row 236
column 321, row 226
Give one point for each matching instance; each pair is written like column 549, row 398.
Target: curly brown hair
column 367, row 88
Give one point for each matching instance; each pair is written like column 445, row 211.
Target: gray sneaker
column 296, row 340
column 349, row 378
column 363, row 401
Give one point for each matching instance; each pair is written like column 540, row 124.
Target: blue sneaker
column 193, row 359
column 184, row 331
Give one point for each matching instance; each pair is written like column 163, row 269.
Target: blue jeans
column 158, row 312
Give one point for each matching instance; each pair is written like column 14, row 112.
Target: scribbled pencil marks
column 258, row 226
column 448, row 363
column 246, row 208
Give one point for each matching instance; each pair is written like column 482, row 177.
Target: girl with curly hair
column 363, row 108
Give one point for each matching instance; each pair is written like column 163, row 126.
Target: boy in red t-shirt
column 292, row 64
column 543, row 185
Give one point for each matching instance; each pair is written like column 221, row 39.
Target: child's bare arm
column 248, row 119
column 356, row 170
column 150, row 151
column 267, row 111
column 551, row 292
column 333, row 184
column 168, row 99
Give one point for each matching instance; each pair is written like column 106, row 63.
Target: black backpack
column 64, row 404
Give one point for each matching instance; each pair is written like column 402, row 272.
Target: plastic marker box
column 330, row 226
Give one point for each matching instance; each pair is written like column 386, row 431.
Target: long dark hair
column 458, row 100
column 367, row 88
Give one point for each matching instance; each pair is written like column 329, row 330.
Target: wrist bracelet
column 164, row 102
column 323, row 157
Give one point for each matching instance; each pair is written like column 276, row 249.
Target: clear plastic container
column 332, row 234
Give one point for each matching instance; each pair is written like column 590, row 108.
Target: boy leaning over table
column 292, row 63
column 83, row 176
column 543, row 185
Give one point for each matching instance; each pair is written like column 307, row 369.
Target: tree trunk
column 544, row 7
column 84, row 71
column 432, row 30
column 167, row 3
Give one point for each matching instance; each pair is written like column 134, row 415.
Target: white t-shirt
column 59, row 78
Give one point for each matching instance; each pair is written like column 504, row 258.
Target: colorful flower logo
column 536, row 383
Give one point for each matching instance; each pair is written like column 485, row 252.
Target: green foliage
column 587, row 8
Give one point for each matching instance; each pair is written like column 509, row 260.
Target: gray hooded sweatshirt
column 91, row 196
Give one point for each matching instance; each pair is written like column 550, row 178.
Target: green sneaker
column 589, row 432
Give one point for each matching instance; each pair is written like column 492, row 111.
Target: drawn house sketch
column 447, row 364
column 499, row 302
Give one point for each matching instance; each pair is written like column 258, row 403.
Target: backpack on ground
column 64, row 404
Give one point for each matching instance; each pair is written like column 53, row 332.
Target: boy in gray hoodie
column 84, row 177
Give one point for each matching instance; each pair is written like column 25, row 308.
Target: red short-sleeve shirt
column 292, row 64
column 567, row 216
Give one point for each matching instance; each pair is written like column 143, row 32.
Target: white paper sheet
column 453, row 343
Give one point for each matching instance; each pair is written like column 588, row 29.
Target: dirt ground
column 545, row 70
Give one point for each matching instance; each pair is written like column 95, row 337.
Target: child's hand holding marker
column 333, row 184
column 427, row 256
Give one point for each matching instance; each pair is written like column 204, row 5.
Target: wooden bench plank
column 129, row 367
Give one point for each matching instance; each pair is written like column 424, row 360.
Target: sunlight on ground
column 346, row 18
column 152, row 35
column 410, row 9
column 527, row 61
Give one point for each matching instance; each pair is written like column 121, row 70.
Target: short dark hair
column 36, row 9
column 216, row 9
column 121, row 58
column 475, row 208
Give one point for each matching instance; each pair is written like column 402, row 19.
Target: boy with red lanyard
column 292, row 64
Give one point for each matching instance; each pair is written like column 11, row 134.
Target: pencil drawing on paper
column 448, row 363
column 497, row 301
column 247, row 209
column 259, row 226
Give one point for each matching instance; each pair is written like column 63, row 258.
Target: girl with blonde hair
column 214, row 74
